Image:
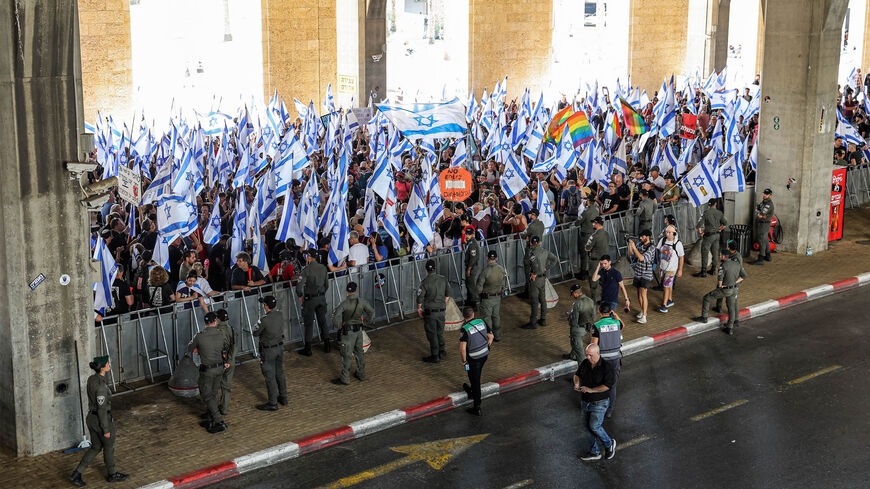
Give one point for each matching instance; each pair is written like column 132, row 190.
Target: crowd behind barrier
column 145, row 345
column 857, row 186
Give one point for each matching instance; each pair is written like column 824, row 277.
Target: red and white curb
column 389, row 419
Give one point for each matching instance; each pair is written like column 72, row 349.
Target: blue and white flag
column 162, row 184
column 176, row 214
column 533, row 142
column 417, row 218
column 240, row 232
column 716, row 137
column 308, row 207
column 370, row 213
column 339, row 248
column 545, row 207
column 287, row 217
column 329, row 100
column 212, row 232
column 667, row 120
column 685, row 157
column 161, row 250
column 432, row 121
column 258, row 253
column 618, row 162
column 731, row 176
column 267, row 203
column 382, row 178
column 389, row 218
column 436, row 205
column 514, row 178
column 108, row 272
column 753, row 157
column 670, row 160
column 459, row 154
column 846, row 131
column 700, row 185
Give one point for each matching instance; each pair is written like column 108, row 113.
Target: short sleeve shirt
column 609, row 281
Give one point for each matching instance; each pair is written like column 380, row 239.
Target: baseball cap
column 430, row 265
column 598, row 220
column 351, row 287
column 576, row 287
column 210, row 317
column 767, row 191
column 535, row 239
column 492, row 255
column 534, row 211
column 223, row 315
column 269, row 300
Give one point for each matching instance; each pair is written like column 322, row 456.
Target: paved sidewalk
column 159, row 436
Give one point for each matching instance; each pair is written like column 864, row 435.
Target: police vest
column 609, row 338
column 477, row 345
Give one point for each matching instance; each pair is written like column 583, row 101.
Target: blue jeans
column 593, row 417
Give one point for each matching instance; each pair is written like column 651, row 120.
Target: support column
column 865, row 54
column 509, row 38
column 373, row 42
column 299, row 49
column 759, row 50
column 801, row 59
column 716, row 40
column 656, row 41
column 107, row 57
column 43, row 228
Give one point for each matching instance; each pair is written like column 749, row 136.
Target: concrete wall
column 299, row 49
column 509, row 38
column 656, row 42
column 865, row 55
column 43, row 228
column 107, row 57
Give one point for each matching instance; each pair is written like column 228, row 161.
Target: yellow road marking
column 436, row 453
column 517, row 485
column 719, row 410
column 813, row 375
column 636, row 441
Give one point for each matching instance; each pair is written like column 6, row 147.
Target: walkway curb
column 389, row 419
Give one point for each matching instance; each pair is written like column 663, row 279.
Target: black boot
column 267, row 407
column 305, row 351
column 117, row 477
column 327, row 346
column 701, row 274
column 76, row 479
column 474, row 411
column 217, row 428
column 432, row 359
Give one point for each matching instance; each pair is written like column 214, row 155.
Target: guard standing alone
column 731, row 273
column 763, row 213
column 491, row 284
column 270, row 330
column 431, row 302
column 540, row 262
column 231, row 347
column 472, row 267
column 209, row 343
column 313, row 283
column 580, row 319
column 101, row 426
column 597, row 246
column 350, row 317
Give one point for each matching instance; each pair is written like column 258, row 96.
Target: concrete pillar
column 759, row 50
column 509, row 38
column 372, row 42
column 107, row 57
column 716, row 39
column 865, row 54
column 801, row 57
column 656, row 41
column 299, row 50
column 43, row 228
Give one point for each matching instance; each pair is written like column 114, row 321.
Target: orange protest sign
column 456, row 184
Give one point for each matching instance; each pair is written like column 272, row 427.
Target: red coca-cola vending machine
column 838, row 191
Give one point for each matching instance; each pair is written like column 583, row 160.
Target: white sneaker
column 642, row 319
column 639, row 315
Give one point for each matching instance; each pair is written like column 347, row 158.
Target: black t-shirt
column 601, row 374
column 608, row 202
column 162, row 295
column 148, row 240
column 624, row 193
column 240, row 277
column 174, row 263
column 120, row 291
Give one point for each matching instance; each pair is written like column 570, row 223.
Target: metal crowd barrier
column 857, row 186
column 149, row 343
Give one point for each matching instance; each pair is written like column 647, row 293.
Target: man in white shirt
column 358, row 253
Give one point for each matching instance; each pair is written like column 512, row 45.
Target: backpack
column 572, row 203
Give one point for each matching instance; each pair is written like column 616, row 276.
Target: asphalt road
column 711, row 411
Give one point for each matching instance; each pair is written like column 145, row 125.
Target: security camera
column 79, row 166
column 95, row 202
column 100, row 186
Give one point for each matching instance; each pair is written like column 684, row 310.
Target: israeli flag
column 436, row 205
column 259, row 249
column 243, row 171
column 716, row 137
column 160, row 185
column 545, row 207
column 287, row 217
column 370, row 213
column 267, row 204
column 389, row 218
column 339, row 248
column 700, row 185
column 212, row 232
column 432, row 121
column 514, row 178
column 753, row 157
column 176, row 215
column 685, row 156
column 846, row 131
column 618, row 161
column 533, row 141
column 240, row 232
column 731, row 176
column 667, row 120
column 471, row 113
column 108, row 272
column 382, row 178
column 670, row 160
column 417, row 218
column 308, row 211
column 459, row 154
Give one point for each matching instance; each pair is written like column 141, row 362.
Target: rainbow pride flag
column 554, row 130
column 633, row 121
column 616, row 126
column 581, row 130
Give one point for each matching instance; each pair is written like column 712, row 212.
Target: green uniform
column 540, row 262
column 535, row 228
column 645, row 212
column 313, row 283
column 231, row 347
column 736, row 256
column 270, row 330
column 433, row 289
column 729, row 272
column 100, row 422
column 349, row 317
column 597, row 246
column 763, row 213
column 709, row 223
column 209, row 343
column 491, row 284
column 472, row 263
column 586, row 230
column 580, row 320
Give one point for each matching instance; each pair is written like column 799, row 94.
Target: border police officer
column 431, row 301
column 472, row 267
column 231, row 347
column 209, row 344
column 540, row 262
column 590, row 212
column 710, row 224
column 597, row 246
column 580, row 319
column 101, row 426
column 313, row 284
column 270, row 331
column 731, row 273
column 350, row 317
column 763, row 213
column 491, row 284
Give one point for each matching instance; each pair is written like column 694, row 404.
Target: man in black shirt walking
column 594, row 379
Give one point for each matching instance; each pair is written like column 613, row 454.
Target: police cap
column 535, row 212
column 767, row 191
column 576, row 287
column 210, row 317
column 312, row 253
column 223, row 315
column 492, row 255
column 535, row 239
column 430, row 265
column 598, row 220
column 269, row 301
column 351, row 287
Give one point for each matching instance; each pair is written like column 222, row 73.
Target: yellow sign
column 436, row 453
column 347, row 84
